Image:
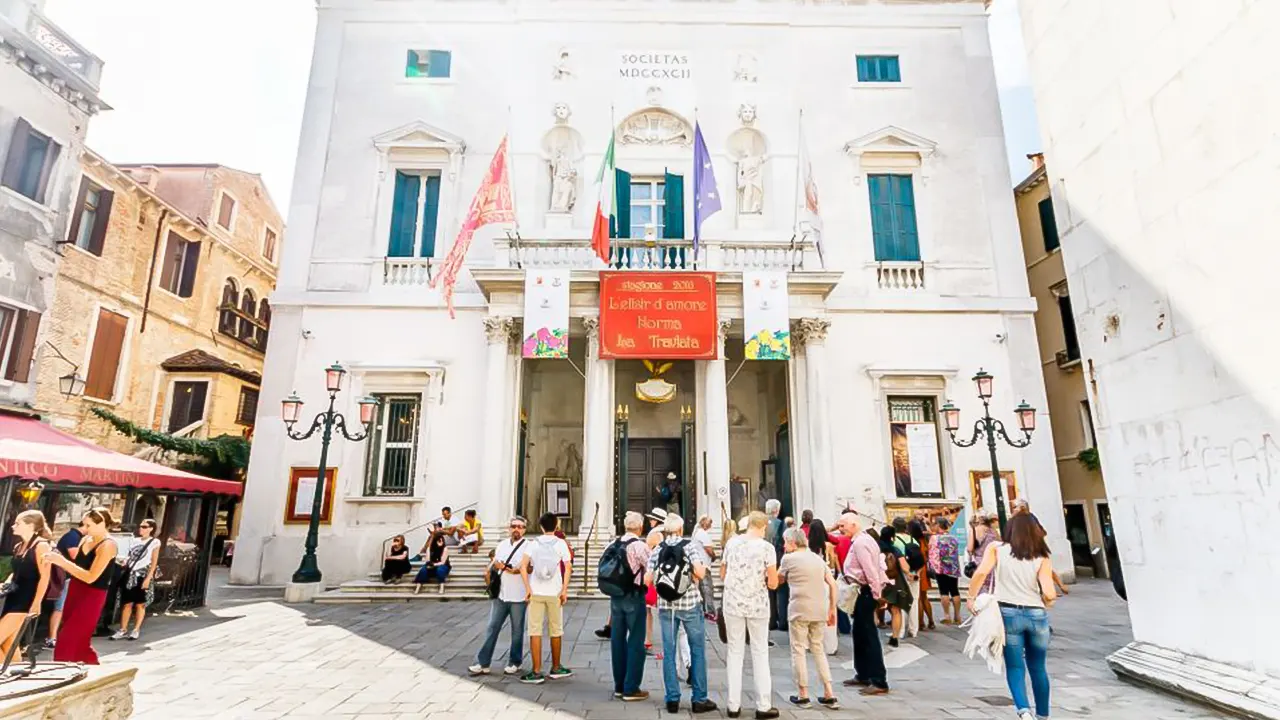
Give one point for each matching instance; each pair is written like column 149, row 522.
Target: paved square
column 250, row 656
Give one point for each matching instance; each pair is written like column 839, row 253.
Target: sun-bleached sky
column 224, row 81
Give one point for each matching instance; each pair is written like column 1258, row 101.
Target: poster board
column 556, row 496
column 917, row 464
column 302, row 489
column 982, row 490
column 546, row 314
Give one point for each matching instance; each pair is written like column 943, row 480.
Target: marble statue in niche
column 748, row 146
column 562, row 147
column 564, row 182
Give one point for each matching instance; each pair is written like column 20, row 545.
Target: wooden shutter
column 439, row 63
column 104, row 358
column 187, row 404
column 404, row 215
column 77, row 211
column 226, row 210
column 1049, row 225
column 25, row 327
column 52, row 150
column 907, row 239
column 172, row 263
column 100, row 222
column 1069, row 337
column 430, row 215
column 622, row 203
column 673, row 207
column 16, row 158
column 190, row 261
column 881, row 217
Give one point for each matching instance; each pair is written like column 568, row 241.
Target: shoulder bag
column 493, row 584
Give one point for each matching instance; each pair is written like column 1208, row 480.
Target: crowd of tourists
column 814, row 583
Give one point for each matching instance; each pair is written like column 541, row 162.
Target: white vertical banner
column 766, row 315
column 546, row 314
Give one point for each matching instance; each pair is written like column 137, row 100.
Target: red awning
column 31, row 450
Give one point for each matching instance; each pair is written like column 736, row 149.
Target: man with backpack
column 548, row 591
column 621, row 577
column 910, row 551
column 675, row 567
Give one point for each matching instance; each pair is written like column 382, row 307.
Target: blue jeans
column 626, row 616
column 430, row 574
column 499, row 611
column 1026, row 645
column 695, row 627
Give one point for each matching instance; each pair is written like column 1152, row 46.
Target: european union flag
column 706, row 197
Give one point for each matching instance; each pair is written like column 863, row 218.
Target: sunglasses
column 517, row 526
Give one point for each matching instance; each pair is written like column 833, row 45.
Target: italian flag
column 604, row 206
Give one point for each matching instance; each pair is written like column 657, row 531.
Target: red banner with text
column 658, row 316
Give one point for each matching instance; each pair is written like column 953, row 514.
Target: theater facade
column 863, row 265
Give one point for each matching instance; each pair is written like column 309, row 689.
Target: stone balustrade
column 900, row 275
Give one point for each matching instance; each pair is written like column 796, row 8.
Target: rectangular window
column 428, row 63
column 248, row 408
column 647, row 202
column 18, row 330
column 415, row 210
column 226, row 212
column 269, row 245
column 1086, row 424
column 1068, row 326
column 878, row 68
column 29, row 162
column 393, row 447
column 913, row 438
column 186, row 407
column 1049, row 225
column 104, row 358
column 893, row 218
column 181, row 258
column 92, row 214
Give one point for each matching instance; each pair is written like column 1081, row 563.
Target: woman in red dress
column 89, row 575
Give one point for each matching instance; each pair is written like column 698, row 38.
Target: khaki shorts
column 547, row 606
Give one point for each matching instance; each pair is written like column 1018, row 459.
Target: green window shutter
column 1049, row 225
column 430, row 213
column 864, row 68
column 904, row 219
column 438, row 63
column 404, row 215
column 881, row 216
column 673, row 207
column 411, row 64
column 890, row 71
column 622, row 204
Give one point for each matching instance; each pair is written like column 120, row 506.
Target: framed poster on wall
column 302, row 493
column 983, row 491
column 556, row 497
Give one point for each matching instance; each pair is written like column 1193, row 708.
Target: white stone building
column 408, row 101
column 48, row 93
column 1159, row 120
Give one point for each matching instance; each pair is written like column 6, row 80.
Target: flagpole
column 696, row 230
column 515, row 213
column 795, row 199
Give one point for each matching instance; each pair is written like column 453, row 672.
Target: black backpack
column 674, row 573
column 615, row 578
column 913, row 554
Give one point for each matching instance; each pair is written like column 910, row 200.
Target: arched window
column 227, row 321
column 264, row 317
column 248, row 311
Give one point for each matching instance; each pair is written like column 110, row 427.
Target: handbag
column 493, row 585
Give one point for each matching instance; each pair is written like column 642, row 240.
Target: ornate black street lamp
column 988, row 427
column 309, row 569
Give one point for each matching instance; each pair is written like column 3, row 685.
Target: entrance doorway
column 648, row 462
column 1078, row 534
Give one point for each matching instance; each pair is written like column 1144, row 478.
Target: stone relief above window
column 655, row 126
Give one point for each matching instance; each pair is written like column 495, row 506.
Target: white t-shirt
column 552, row 586
column 746, row 592
column 702, row 537
column 512, row 586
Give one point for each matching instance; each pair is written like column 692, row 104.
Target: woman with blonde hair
column 29, row 580
column 89, row 577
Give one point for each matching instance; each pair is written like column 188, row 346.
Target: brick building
column 161, row 303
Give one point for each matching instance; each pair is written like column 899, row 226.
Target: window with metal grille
column 248, row 409
column 393, row 445
column 913, row 438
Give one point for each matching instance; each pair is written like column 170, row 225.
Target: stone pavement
column 250, row 656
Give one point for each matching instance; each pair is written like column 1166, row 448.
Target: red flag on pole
column 492, row 204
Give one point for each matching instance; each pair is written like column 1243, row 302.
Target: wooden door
column 648, row 462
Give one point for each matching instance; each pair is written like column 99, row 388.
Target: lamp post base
column 296, row 592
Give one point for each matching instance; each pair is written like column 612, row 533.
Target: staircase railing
column 405, row 533
column 586, row 549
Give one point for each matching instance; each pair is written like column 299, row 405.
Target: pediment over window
column 891, row 139
column 655, row 126
column 419, row 135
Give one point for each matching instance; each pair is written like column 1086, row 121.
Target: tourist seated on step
column 436, row 568
column 396, row 563
column 469, row 533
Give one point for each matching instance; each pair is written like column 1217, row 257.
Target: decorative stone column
column 819, row 492
column 597, row 438
column 494, row 457
column 715, row 413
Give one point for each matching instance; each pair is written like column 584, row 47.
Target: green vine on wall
column 1089, row 459
column 225, row 457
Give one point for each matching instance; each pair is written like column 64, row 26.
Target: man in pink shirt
column 864, row 565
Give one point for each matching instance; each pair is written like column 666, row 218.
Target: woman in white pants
column 750, row 570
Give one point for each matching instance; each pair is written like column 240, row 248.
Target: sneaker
column 673, row 707
column 1026, row 715
column 478, row 670
column 560, row 672
column 769, row 714
column 735, row 713
column 50, row 644
column 829, row 703
column 636, row 696
column 704, row 706
column 133, row 635
column 532, row 678
column 511, row 670
column 893, row 642
column 120, row 635
column 605, row 632
column 617, row 694
column 801, row 702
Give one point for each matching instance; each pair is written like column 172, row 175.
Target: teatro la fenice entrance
column 676, row 417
